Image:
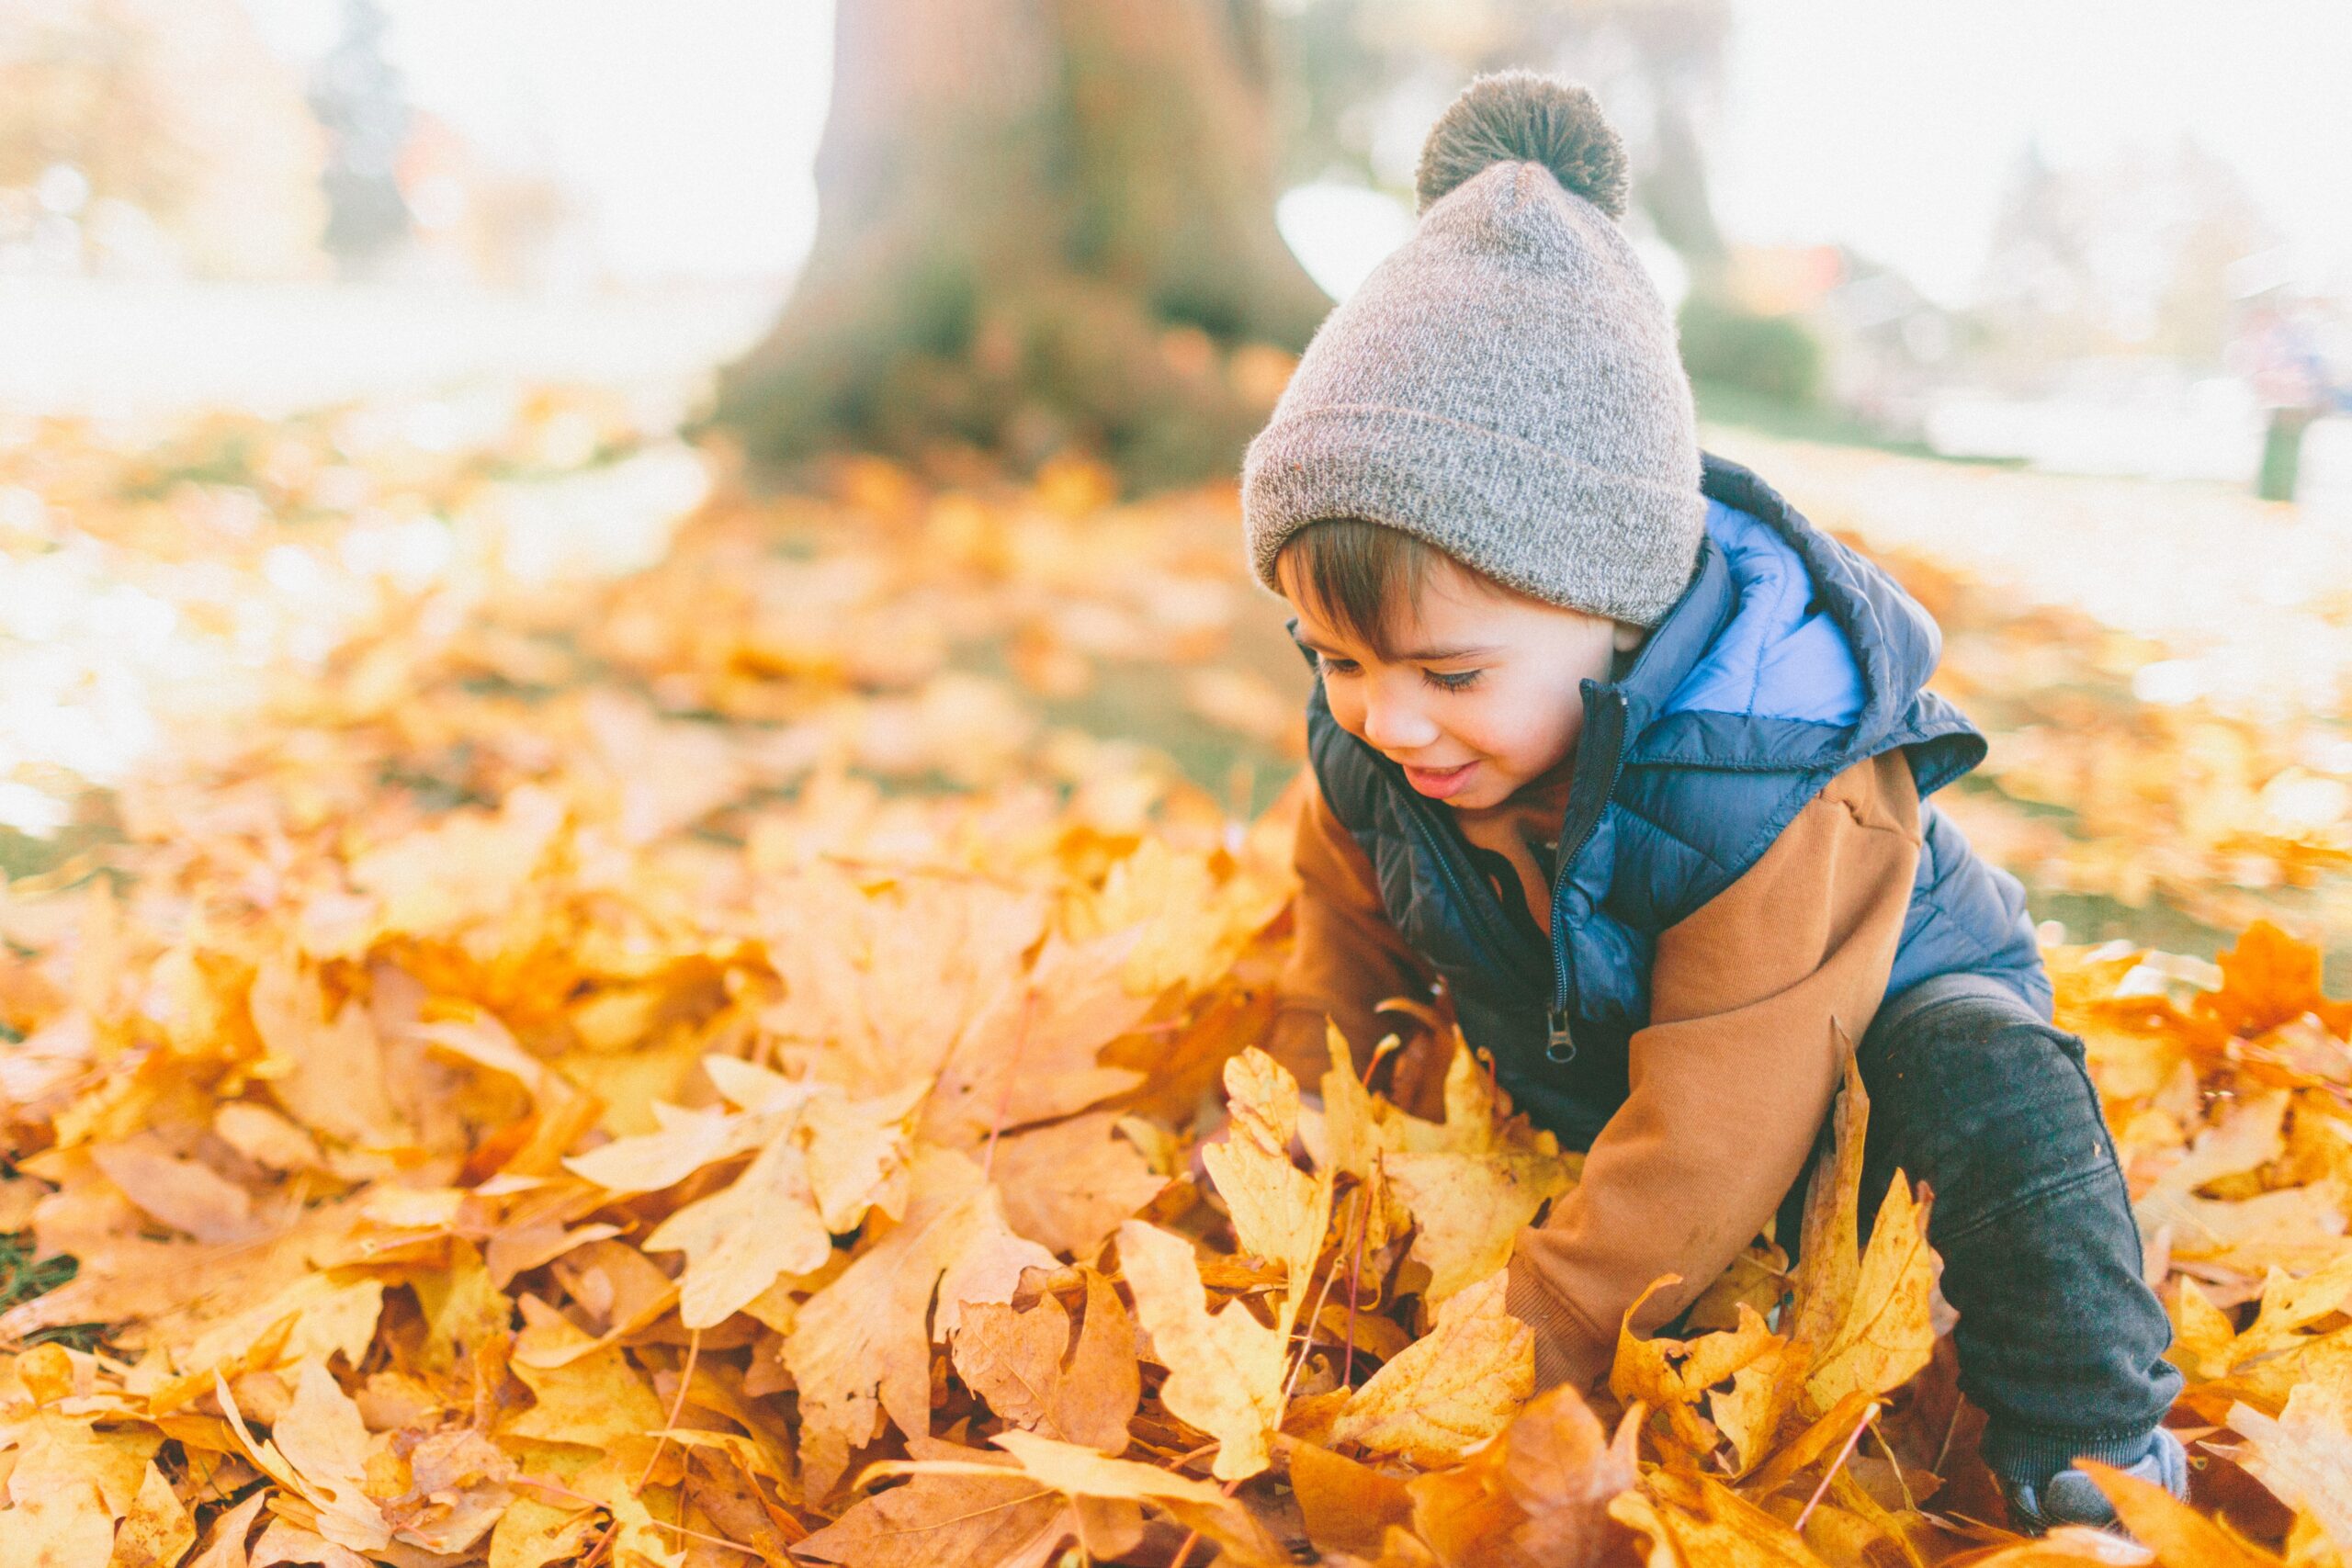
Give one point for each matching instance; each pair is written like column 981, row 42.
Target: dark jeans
column 2060, row 1341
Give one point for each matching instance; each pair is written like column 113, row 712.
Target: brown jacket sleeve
column 1730, row 1079
column 1347, row 958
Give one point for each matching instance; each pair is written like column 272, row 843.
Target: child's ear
column 1627, row 637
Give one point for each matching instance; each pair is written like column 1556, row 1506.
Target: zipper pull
column 1563, row 1046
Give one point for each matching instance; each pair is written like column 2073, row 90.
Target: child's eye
column 1333, row 666
column 1458, row 681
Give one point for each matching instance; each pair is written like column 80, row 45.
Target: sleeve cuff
column 1566, row 1348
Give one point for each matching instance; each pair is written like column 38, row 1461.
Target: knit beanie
column 1505, row 384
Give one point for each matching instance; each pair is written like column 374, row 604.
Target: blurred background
column 2096, row 237
column 310, row 307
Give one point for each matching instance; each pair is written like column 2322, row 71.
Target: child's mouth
column 1439, row 782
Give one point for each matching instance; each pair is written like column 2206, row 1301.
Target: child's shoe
column 2071, row 1498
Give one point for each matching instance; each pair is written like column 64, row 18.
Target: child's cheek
column 1542, row 739
column 1347, row 710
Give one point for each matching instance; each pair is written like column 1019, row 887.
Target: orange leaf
column 2270, row 978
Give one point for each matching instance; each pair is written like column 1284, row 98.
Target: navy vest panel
column 1787, row 660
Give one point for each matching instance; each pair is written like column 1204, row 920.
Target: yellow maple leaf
column 640, row 1541
column 1189, row 921
column 54, row 1526
column 1761, row 1402
column 535, row 1531
column 2303, row 1455
column 1831, row 1234
column 318, row 1449
column 332, row 1313
column 590, row 1401
column 1226, row 1369
column 57, row 1451
column 1280, row 1213
column 1862, row 1322
column 1470, row 1208
column 1702, row 1521
column 2177, row 1533
column 740, row 1240
column 2203, row 1334
column 1673, row 1375
column 1537, row 1497
column 688, row 1140
column 1469, row 1184
column 1886, row 1334
column 157, row 1532
column 858, row 1154
column 1451, row 1390
column 328, row 1071
column 469, row 866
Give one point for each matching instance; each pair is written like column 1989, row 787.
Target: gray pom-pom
column 1521, row 116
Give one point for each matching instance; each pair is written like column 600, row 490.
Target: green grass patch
column 23, row 1278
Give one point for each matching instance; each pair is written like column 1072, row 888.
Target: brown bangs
column 1353, row 574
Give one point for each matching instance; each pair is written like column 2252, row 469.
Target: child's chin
column 1482, row 793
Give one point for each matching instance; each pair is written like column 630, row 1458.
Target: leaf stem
column 1355, row 1275
column 677, row 1403
column 1900, row 1480
column 1852, row 1438
column 1307, row 1340
column 713, row 1539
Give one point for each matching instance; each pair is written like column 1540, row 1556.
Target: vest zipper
column 1560, row 1047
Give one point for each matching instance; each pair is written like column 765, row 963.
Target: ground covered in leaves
column 612, row 1022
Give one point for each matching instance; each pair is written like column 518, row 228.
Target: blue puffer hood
column 1788, row 650
column 1782, row 655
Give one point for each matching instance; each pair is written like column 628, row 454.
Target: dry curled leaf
column 1537, row 1497
column 1026, row 1367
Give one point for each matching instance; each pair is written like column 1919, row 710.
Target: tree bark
column 1044, row 225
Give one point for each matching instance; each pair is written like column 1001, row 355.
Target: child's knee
column 1971, row 1085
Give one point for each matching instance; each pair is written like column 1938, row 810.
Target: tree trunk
column 1043, row 225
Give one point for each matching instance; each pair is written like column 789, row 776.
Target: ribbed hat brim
column 1498, row 504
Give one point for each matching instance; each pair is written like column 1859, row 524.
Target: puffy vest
column 1788, row 659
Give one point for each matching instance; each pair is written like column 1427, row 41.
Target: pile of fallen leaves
column 688, row 1070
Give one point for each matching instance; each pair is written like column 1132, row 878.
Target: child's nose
column 1393, row 723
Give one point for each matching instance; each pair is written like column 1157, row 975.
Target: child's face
column 1481, row 692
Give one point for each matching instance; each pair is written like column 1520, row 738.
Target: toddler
column 1613, row 740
